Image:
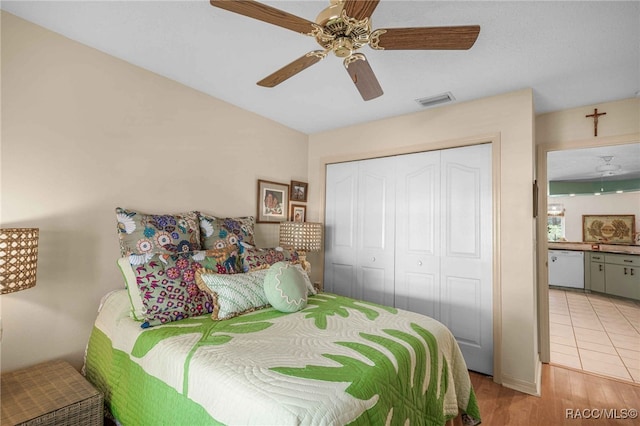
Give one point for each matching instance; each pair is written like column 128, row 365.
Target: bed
column 338, row 361
column 211, row 330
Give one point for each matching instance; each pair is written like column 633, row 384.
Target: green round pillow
column 285, row 287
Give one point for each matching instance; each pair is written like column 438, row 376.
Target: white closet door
column 376, row 230
column 415, row 232
column 340, row 229
column 417, row 268
column 467, row 253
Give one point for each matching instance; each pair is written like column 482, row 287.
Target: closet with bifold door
column 415, row 231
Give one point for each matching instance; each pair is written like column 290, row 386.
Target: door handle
column 632, row 271
column 625, row 271
column 419, row 262
column 373, row 259
column 600, row 268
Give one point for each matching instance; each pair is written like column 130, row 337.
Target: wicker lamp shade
column 18, row 258
column 303, row 236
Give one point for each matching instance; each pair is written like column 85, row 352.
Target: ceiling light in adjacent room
column 608, row 169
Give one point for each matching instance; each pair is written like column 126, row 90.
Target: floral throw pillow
column 226, row 260
column 261, row 258
column 218, row 232
column 142, row 233
column 168, row 289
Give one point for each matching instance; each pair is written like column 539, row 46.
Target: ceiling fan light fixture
column 436, row 100
column 607, row 168
column 342, row 47
column 344, row 27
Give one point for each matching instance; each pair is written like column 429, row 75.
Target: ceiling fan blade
column 360, row 9
column 362, row 76
column 262, row 12
column 427, row 38
column 293, row 68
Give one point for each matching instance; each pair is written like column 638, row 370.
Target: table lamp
column 18, row 259
column 302, row 237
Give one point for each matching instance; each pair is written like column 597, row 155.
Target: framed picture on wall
column 273, row 199
column 608, row 228
column 299, row 191
column 298, row 213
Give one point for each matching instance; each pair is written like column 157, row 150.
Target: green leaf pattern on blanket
column 220, row 332
column 322, row 306
column 391, row 408
column 211, row 333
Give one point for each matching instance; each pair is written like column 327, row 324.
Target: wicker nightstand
column 51, row 393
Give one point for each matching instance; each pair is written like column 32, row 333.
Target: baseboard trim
column 524, row 386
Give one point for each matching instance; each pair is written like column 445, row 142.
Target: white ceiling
column 582, row 164
column 572, row 53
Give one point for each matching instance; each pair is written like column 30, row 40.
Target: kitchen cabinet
column 622, row 275
column 597, row 276
column 615, row 274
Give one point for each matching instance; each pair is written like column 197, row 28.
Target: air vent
column 435, row 100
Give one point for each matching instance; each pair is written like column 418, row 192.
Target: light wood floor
column 562, row 389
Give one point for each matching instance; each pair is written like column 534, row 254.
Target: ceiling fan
column 608, row 169
column 343, row 28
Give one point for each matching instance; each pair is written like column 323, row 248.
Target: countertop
column 597, row 247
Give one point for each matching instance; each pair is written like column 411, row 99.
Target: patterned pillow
column 168, row 289
column 285, row 287
column 261, row 258
column 226, row 260
column 233, row 295
column 142, row 233
column 222, row 232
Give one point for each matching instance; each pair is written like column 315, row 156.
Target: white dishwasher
column 566, row 268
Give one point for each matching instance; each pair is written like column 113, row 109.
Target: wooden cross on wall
column 595, row 116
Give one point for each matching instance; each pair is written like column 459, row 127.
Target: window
column 555, row 222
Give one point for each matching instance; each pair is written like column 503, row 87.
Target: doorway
column 587, row 331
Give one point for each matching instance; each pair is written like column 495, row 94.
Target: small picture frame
column 297, row 213
column 299, row 191
column 273, row 199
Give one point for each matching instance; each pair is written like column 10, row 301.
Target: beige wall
column 570, row 128
column 506, row 120
column 82, row 133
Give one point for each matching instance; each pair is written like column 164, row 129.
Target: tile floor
column 595, row 333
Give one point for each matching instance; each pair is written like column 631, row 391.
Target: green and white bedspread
column 339, row 361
